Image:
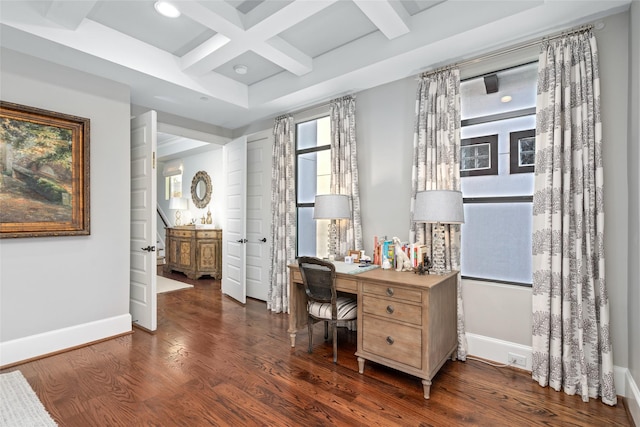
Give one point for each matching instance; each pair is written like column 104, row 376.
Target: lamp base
column 439, row 262
column 333, row 236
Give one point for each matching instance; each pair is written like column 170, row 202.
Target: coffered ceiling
column 294, row 53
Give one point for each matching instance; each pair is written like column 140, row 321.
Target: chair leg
column 326, row 330
column 335, row 341
column 310, row 327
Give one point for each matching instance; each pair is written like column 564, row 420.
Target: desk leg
column 297, row 310
column 361, row 365
column 426, row 386
column 292, row 335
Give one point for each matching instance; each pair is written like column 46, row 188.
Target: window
column 313, row 169
column 172, row 173
column 174, row 184
column 497, row 152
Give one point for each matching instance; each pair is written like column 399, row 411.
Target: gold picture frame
column 44, row 173
column 355, row 255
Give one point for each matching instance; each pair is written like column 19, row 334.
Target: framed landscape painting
column 44, row 173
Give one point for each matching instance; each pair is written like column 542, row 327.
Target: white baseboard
column 633, row 397
column 26, row 348
column 498, row 351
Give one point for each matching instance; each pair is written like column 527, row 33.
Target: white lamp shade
column 332, row 206
column 172, row 168
column 439, row 206
column 178, row 203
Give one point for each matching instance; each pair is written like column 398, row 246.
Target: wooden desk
column 405, row 321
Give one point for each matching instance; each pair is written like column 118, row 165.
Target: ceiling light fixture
column 506, row 98
column 240, row 69
column 166, row 9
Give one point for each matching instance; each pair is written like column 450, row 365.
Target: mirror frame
column 201, row 202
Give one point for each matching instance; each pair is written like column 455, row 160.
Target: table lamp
column 438, row 207
column 332, row 207
column 178, row 203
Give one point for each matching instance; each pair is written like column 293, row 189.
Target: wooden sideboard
column 194, row 251
column 405, row 321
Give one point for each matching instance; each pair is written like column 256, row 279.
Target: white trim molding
column 498, row 351
column 26, row 348
column 632, row 394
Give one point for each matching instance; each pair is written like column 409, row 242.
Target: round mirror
column 201, row 189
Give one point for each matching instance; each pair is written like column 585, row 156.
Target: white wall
column 209, row 161
column 59, row 292
column 633, row 161
column 385, row 117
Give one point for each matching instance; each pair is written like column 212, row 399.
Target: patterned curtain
column 344, row 170
column 571, row 342
column 436, row 164
column 283, row 214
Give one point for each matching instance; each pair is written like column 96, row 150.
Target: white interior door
column 143, row 300
column 234, row 237
column 258, row 216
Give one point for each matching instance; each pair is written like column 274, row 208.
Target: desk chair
column 319, row 278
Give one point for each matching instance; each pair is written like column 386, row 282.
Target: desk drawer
column 392, row 292
column 390, row 340
column 392, row 309
column 346, row 285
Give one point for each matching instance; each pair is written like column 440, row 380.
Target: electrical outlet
column 517, row 360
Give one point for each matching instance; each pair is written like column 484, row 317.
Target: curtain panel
column 283, row 214
column 344, row 170
column 571, row 341
column 436, row 165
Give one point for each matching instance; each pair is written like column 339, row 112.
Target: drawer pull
column 390, row 292
column 390, row 309
column 389, row 340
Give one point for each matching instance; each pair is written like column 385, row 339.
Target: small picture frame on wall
column 44, row 173
column 522, row 151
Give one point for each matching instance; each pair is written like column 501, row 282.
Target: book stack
column 384, row 249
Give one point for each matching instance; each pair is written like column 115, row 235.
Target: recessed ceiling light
column 166, row 9
column 241, row 69
column 505, row 98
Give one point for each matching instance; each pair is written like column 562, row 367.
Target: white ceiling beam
column 220, row 16
column 286, row 56
column 69, row 14
column 201, row 59
column 107, row 44
column 261, row 38
column 390, row 17
column 288, row 16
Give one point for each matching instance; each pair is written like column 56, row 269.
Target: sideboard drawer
column 400, row 343
column 180, row 233
column 392, row 309
column 393, row 292
column 209, row 234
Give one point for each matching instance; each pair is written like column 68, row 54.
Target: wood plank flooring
column 215, row 362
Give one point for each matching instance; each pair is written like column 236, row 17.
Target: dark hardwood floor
column 215, row 362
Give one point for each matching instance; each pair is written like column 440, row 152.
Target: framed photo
column 479, row 156
column 355, row 255
column 44, row 173
column 522, row 151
